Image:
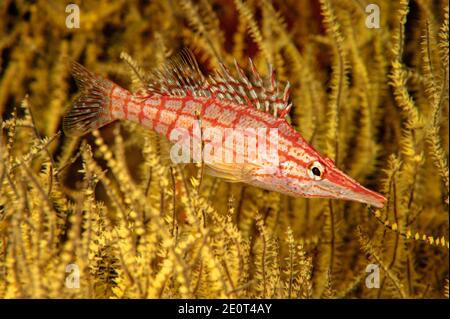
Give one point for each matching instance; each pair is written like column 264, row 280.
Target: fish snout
column 345, row 187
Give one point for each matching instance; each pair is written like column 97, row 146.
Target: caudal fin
column 90, row 110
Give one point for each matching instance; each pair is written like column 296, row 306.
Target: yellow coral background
column 111, row 208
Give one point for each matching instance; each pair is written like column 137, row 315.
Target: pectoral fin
column 231, row 172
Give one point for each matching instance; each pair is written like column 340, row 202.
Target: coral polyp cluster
column 109, row 215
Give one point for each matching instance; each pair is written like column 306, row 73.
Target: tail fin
column 90, row 110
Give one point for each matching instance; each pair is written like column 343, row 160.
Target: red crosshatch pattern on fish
column 182, row 96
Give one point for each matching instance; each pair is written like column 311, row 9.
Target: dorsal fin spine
column 284, row 112
column 255, row 73
column 181, row 76
column 287, row 90
column 272, row 78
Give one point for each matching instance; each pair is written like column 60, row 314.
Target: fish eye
column 316, row 170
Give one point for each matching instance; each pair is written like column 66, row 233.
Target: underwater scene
column 243, row 149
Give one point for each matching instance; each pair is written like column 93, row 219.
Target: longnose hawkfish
column 179, row 95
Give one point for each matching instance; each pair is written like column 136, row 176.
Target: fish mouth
column 344, row 187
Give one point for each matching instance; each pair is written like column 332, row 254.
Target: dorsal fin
column 254, row 91
column 181, row 76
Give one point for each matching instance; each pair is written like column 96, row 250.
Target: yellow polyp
column 133, row 214
column 108, row 156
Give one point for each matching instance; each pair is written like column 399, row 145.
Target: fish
column 178, row 95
